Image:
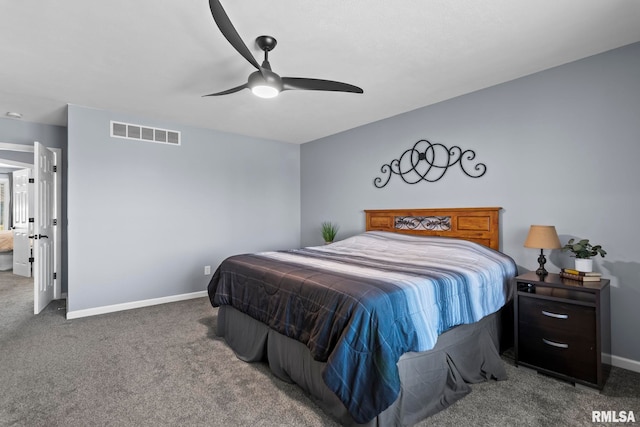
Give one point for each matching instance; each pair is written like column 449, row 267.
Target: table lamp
column 542, row 237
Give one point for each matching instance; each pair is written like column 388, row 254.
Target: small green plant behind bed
column 329, row 231
column 583, row 249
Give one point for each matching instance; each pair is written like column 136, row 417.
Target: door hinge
column 32, row 219
column 55, row 168
column 31, row 259
column 55, row 221
column 31, row 180
column 55, row 276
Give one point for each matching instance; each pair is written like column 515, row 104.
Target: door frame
column 23, row 148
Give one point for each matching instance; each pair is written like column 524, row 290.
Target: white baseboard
column 131, row 305
column 621, row 362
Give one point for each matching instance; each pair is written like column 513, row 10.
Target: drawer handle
column 555, row 344
column 555, row 315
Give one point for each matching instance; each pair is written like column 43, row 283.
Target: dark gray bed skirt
column 431, row 380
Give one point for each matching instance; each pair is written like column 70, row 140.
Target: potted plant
column 583, row 251
column 329, row 231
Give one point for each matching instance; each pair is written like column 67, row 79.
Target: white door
column 22, row 209
column 43, row 243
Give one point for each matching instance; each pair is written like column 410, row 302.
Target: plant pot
column 584, row 264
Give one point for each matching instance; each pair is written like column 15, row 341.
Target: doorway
column 43, row 245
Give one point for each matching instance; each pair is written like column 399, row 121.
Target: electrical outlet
column 207, row 270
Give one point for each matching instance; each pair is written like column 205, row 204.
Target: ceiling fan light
column 265, row 91
column 265, row 83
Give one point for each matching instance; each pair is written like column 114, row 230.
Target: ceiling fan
column 264, row 82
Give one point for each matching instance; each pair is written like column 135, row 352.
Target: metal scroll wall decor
column 429, row 162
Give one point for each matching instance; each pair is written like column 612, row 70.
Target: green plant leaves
column 329, row 231
column 583, row 249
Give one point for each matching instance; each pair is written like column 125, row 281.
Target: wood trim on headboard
column 480, row 225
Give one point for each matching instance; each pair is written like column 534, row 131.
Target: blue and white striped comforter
column 359, row 304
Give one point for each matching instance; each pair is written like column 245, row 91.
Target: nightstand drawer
column 559, row 351
column 552, row 315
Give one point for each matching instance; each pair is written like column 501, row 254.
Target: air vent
column 144, row 133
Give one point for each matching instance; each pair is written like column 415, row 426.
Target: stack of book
column 582, row 276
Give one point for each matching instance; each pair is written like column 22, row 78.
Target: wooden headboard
column 480, row 225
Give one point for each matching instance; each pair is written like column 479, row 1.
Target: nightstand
column 562, row 327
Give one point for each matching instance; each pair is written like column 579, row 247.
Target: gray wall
column 145, row 218
column 23, row 132
column 562, row 147
column 14, row 131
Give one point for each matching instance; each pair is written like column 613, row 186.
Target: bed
column 382, row 328
column 6, row 250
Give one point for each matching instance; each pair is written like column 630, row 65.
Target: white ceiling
column 157, row 57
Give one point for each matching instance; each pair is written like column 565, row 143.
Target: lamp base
column 542, row 261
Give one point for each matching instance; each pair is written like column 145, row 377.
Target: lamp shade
column 542, row 237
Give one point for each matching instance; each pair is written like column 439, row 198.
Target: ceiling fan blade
column 300, row 83
column 228, row 91
column 229, row 32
